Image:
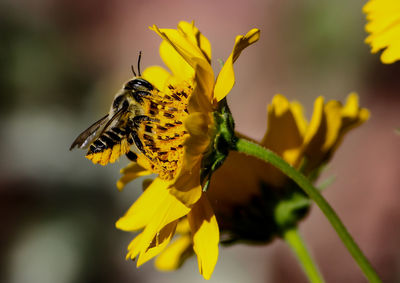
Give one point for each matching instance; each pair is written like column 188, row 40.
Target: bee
column 114, row 134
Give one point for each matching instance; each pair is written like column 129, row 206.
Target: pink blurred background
column 61, row 63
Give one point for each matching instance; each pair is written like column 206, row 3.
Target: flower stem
column 268, row 156
column 294, row 240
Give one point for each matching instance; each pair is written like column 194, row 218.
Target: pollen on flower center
column 164, row 135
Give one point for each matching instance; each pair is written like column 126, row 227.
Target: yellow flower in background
column 328, row 125
column 384, row 28
column 310, row 144
column 175, row 141
column 245, row 192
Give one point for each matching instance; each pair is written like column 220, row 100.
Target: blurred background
column 61, row 63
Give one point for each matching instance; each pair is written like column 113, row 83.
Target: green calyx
column 223, row 141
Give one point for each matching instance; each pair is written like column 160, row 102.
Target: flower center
column 164, row 135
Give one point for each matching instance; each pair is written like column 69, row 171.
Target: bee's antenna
column 138, row 63
column 133, row 70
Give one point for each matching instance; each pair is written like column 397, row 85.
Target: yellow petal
column 175, row 62
column 169, row 210
column 384, row 27
column 134, row 243
column 131, row 172
column 327, row 128
column 352, row 116
column 186, row 50
column 301, row 122
column 392, row 53
column 196, row 38
column 157, row 76
column 333, row 124
column 379, row 21
column 205, row 233
column 198, row 125
column 144, row 208
column 351, row 108
column 175, row 254
column 226, row 77
column 315, row 136
column 187, row 188
column 285, row 128
column 390, row 39
column 316, row 120
column 158, row 244
column 183, row 226
column 183, row 43
column 201, row 98
column 352, row 111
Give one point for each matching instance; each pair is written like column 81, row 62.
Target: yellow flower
column 174, row 141
column 384, row 28
column 245, row 191
column 309, row 144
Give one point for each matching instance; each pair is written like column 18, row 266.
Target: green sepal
column 290, row 210
column 223, row 141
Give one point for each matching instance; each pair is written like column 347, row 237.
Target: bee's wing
column 88, row 135
column 95, row 130
column 118, row 114
column 110, row 144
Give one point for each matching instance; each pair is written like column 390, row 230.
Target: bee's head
column 138, row 84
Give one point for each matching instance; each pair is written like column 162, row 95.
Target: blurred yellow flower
column 175, row 140
column 384, row 28
column 245, row 192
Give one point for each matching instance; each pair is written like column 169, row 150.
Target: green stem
column 294, row 240
column 266, row 155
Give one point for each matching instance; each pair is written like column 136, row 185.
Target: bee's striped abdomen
column 109, row 146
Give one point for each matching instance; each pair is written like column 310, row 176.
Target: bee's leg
column 131, row 156
column 139, row 144
column 137, row 141
column 142, row 118
column 137, row 95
